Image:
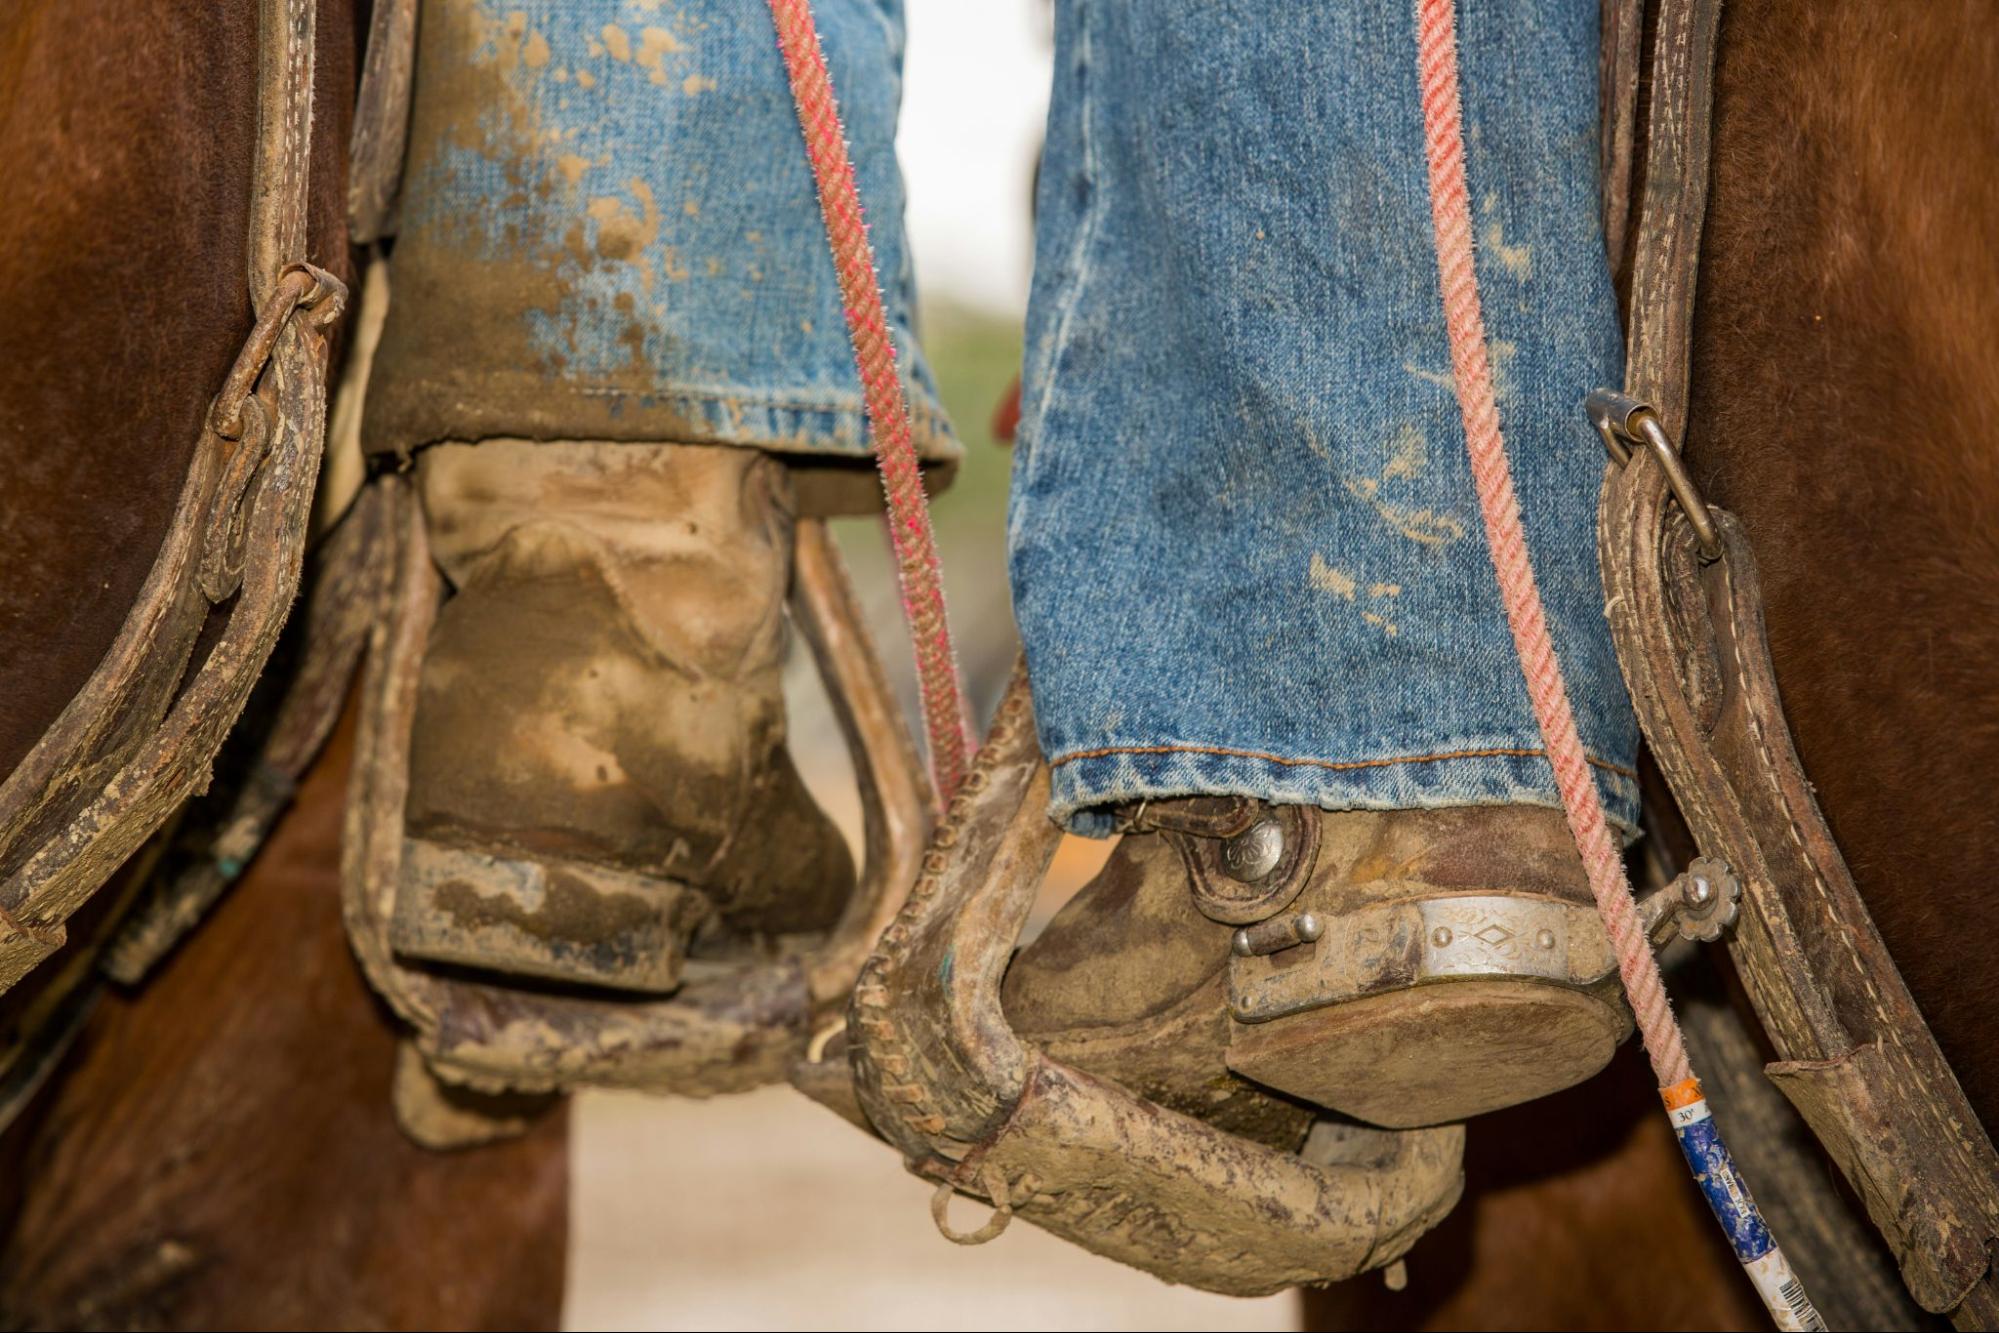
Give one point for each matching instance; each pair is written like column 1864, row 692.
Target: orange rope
column 945, row 719
column 1700, row 1140
column 1450, row 216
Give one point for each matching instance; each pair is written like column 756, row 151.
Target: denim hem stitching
column 1336, row 765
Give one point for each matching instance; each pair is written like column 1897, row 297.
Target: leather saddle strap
column 1623, row 30
column 86, row 797
column 1857, row 1060
column 381, row 122
column 279, row 181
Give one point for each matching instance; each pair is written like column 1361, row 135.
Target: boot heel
column 1434, row 1054
column 548, row 918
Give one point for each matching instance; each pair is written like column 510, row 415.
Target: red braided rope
column 1450, row 217
column 917, row 569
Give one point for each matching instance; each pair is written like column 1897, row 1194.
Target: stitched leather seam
column 1889, row 1030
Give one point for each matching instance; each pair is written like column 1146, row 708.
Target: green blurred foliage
column 975, row 357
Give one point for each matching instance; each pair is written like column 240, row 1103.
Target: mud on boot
column 577, row 852
column 1404, row 968
column 597, row 769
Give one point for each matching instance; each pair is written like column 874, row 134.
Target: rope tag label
column 1728, row 1196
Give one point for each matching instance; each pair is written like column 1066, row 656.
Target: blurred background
column 764, row 1210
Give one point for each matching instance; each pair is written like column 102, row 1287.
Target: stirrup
column 730, row 1026
column 940, row 1073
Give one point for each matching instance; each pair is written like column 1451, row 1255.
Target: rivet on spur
column 1545, row 938
column 1441, row 937
column 1277, row 933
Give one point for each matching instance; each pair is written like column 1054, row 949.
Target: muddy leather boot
column 1244, row 962
column 597, row 766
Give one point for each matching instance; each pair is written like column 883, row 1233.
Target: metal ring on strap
column 1623, row 421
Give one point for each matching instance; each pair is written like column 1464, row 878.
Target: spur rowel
column 577, row 853
column 1231, row 1187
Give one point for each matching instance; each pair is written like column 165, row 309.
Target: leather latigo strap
column 1857, row 1060
column 139, row 737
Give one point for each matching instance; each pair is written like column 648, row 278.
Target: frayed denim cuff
column 476, row 403
column 1088, row 784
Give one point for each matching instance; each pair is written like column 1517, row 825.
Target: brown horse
column 221, row 1152
column 1846, row 282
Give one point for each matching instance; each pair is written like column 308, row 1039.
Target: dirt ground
column 765, row 1211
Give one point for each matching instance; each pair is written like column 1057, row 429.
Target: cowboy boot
column 598, row 781
column 1244, row 962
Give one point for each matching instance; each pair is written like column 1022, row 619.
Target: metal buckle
column 1623, row 421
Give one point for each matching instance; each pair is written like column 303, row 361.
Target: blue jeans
column 609, row 231
column 1245, row 550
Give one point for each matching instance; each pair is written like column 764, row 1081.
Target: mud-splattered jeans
column 609, row 231
column 1245, row 551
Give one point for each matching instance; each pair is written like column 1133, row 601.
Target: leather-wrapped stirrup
column 730, row 1026
column 941, row 1074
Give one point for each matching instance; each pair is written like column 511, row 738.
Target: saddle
column 893, row 1016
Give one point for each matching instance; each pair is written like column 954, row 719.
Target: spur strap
column 1685, row 609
